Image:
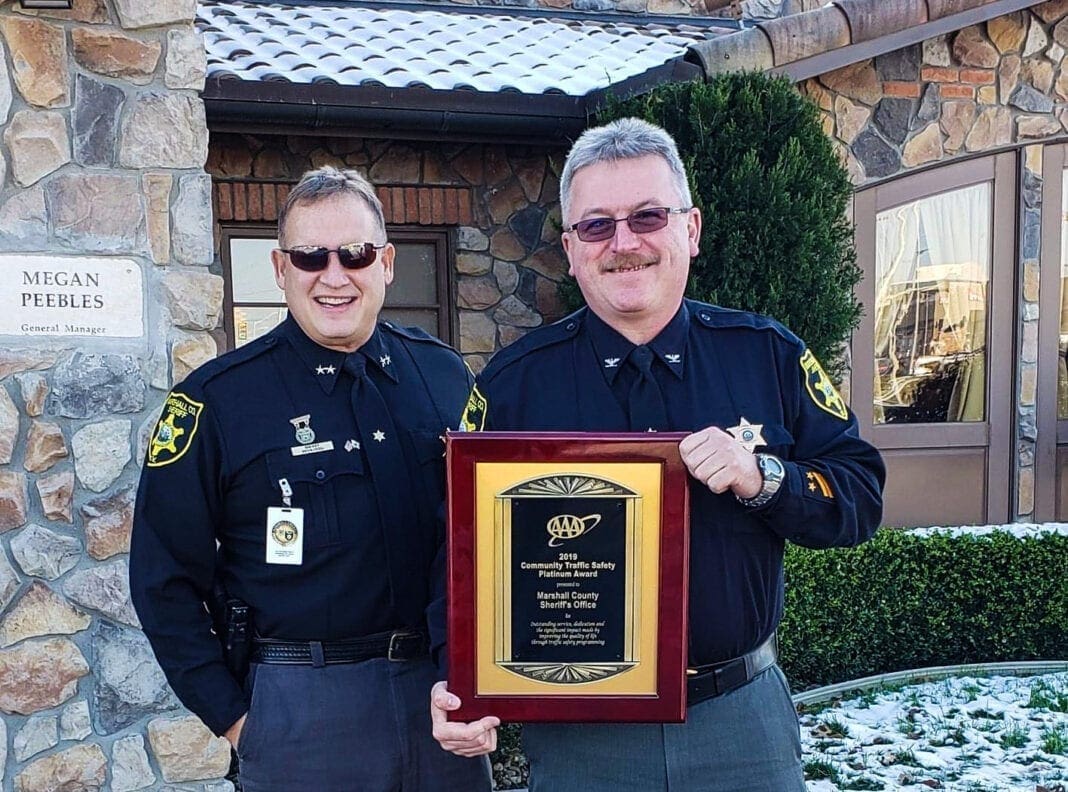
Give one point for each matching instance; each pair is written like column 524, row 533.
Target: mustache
column 625, row 261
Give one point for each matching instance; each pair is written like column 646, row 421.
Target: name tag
column 285, row 536
column 312, row 448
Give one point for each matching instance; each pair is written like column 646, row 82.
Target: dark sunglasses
column 355, row 255
column 644, row 221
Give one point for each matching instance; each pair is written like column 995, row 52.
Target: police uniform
column 259, row 477
column 746, row 374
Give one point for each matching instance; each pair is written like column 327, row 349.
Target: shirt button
column 320, row 474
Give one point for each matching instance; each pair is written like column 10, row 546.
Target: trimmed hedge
column 905, row 601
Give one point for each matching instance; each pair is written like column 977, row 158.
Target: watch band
column 772, row 470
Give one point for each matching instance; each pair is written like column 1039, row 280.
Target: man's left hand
column 714, row 457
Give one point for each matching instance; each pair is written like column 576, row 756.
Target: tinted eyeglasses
column 355, row 255
column 644, row 221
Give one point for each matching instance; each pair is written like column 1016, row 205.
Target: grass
column 1055, row 740
column 819, row 769
column 1014, row 736
column 835, row 727
column 1044, row 696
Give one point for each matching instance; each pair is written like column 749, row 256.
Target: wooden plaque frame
column 639, row 476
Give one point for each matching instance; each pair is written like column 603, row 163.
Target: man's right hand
column 463, row 739
column 233, row 734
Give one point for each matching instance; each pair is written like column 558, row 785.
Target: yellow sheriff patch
column 820, row 387
column 174, row 430
column 474, row 417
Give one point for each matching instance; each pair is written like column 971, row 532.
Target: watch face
column 772, row 466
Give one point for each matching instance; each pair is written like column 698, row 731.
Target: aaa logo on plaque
column 565, row 552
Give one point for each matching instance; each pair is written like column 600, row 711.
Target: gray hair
column 328, row 182
column 626, row 138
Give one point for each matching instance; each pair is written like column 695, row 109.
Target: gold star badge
column 748, row 435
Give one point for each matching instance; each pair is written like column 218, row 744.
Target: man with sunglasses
column 293, row 486
column 773, row 453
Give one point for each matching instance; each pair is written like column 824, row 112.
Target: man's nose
column 624, row 239
column 334, row 274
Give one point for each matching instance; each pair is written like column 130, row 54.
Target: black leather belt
column 395, row 645
column 715, row 679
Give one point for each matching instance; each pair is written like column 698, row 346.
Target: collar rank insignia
column 302, row 424
column 325, row 369
column 820, row 388
column 611, row 362
column 474, row 417
column 385, row 360
column 175, row 429
column 748, row 435
column 673, row 358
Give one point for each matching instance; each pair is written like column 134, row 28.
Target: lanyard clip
column 287, row 491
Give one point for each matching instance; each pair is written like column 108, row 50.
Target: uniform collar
column 325, row 364
column 612, row 348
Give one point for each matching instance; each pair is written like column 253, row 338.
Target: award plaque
column 568, row 564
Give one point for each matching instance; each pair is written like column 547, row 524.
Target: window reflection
column 932, row 274
column 1062, row 371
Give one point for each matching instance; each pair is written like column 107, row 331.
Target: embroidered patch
column 816, row 484
column 175, row 430
column 474, row 417
column 820, row 387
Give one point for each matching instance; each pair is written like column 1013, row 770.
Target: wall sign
column 71, row 296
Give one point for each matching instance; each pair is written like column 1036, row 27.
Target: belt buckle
column 393, row 645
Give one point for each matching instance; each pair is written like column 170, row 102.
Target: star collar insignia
column 748, row 435
column 385, row 360
column 325, row 369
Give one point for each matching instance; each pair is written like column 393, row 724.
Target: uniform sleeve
column 173, row 556
column 436, row 614
column 832, row 492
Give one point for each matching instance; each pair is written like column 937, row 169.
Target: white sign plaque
column 70, row 296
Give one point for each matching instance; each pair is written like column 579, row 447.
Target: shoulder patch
column 175, row 430
column 474, row 417
column 820, row 388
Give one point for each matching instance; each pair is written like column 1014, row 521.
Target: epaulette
column 715, row 317
column 559, row 331
column 414, row 334
column 234, row 358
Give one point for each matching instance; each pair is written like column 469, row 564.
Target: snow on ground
column 962, row 734
column 1018, row 530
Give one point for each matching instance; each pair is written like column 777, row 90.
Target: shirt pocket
column 316, row 481
column 428, row 450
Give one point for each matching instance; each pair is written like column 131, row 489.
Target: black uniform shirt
column 715, row 367
column 225, row 442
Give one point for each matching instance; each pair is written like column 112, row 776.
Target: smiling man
column 293, row 486
column 773, row 454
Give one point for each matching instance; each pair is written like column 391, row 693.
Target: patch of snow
column 1018, row 530
column 962, row 734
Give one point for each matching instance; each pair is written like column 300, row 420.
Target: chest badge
column 306, row 438
column 302, row 424
column 748, row 435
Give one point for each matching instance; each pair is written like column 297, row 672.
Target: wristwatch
column 773, row 471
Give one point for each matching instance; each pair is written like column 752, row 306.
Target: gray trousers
column 357, row 727
column 745, row 741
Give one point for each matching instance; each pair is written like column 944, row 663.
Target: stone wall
column 992, row 86
column 508, row 261
column 102, row 147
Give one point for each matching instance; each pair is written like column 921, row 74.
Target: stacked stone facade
column 508, row 264
column 992, row 86
column 102, row 146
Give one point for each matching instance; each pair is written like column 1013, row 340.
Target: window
column 932, row 274
column 417, row 297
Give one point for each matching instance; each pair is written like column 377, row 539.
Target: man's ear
column 279, row 262
column 693, row 231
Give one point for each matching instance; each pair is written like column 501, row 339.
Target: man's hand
column 233, row 734
column 463, row 739
column 717, row 459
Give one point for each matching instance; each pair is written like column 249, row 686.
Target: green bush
column 903, row 601
column 773, row 197
column 906, row 601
